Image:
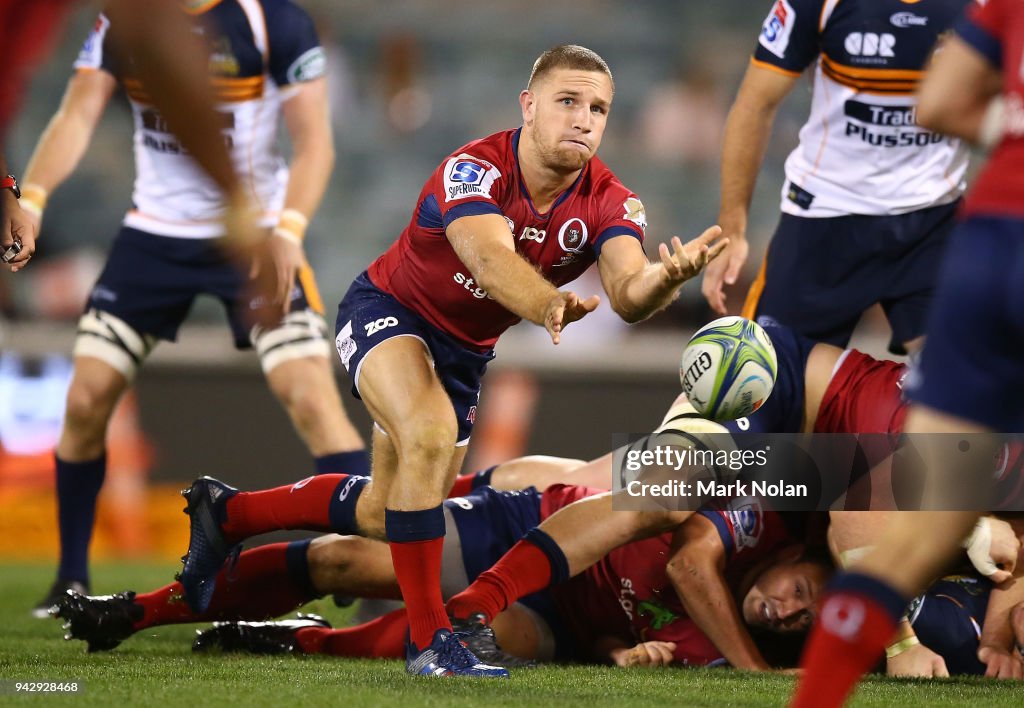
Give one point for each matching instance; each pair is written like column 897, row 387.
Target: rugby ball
column 728, row 368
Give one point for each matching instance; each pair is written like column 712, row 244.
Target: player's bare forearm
column 483, row 243
column 307, row 118
column 69, row 132
column 644, row 293
column 696, row 573
column 748, row 128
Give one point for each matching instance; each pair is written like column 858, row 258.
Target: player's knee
column 305, row 400
column 89, row 406
column 427, row 438
column 328, row 556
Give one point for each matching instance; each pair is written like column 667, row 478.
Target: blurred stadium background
column 411, row 81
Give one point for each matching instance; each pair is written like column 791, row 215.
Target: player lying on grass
column 624, row 610
column 819, row 388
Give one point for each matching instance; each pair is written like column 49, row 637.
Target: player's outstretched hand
column 919, row 661
column 564, row 309
column 1001, row 663
column 724, row 271
column 645, row 654
column 684, row 261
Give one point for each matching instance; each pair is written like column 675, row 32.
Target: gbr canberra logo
column 468, row 176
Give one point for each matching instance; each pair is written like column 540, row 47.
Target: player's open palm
column 564, row 309
column 683, row 261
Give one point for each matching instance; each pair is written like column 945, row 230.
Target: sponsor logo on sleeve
column 91, row 54
column 777, row 27
column 311, row 64
column 635, row 212
column 467, row 176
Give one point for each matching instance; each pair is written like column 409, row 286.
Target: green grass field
column 156, row 668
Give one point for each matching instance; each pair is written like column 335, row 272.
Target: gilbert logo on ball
column 728, row 368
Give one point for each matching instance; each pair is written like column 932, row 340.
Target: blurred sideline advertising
column 134, row 520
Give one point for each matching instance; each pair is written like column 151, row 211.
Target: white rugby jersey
column 259, row 48
column 861, row 151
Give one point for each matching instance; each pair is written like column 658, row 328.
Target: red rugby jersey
column 422, row 271
column 628, row 595
column 996, row 29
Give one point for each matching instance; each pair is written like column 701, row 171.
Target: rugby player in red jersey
column 625, row 609
column 498, row 227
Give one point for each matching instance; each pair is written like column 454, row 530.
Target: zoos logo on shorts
column 377, row 325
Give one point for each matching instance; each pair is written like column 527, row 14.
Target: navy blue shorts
column 948, row 618
column 368, row 316
column 783, row 412
column 150, row 282
column 490, row 522
column 972, row 365
column 820, row 275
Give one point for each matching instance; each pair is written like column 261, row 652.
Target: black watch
column 10, row 183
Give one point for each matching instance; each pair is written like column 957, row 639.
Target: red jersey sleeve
column 468, row 183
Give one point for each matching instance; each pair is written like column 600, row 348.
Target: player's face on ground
column 784, row 596
column 565, row 114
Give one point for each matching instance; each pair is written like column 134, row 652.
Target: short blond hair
column 569, row 56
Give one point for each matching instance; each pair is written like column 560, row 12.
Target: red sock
column 418, row 569
column 267, row 581
column 857, row 620
column 463, row 485
column 304, row 505
column 382, row 638
column 521, row 571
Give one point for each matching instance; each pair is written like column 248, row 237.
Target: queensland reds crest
column 572, row 237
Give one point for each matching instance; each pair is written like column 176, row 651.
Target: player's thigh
column 300, row 335
column 396, row 380
column 806, row 282
column 975, row 328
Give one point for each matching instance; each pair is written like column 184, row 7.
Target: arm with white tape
column 307, row 118
column 993, row 547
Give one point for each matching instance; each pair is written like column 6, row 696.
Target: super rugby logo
column 746, row 525
column 91, row 54
column 572, row 237
column 777, row 27
column 467, row 176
